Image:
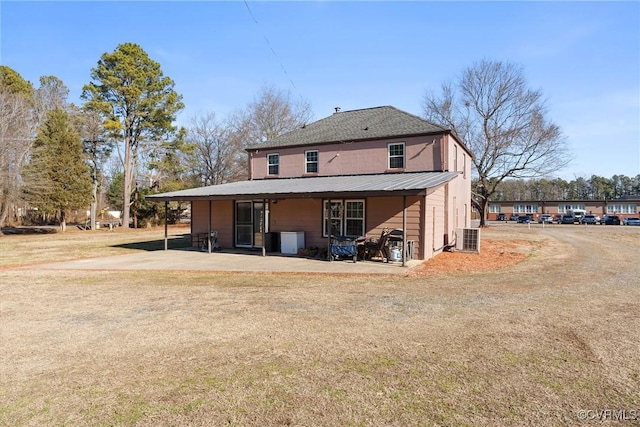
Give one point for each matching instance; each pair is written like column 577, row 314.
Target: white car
column 545, row 218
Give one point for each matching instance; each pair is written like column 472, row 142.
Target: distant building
column 623, row 207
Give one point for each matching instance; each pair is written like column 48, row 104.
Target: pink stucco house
column 352, row 173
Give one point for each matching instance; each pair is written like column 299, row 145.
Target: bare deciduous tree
column 51, row 94
column 17, row 129
column 502, row 122
column 272, row 113
column 97, row 147
column 215, row 158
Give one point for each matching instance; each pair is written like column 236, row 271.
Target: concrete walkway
column 191, row 260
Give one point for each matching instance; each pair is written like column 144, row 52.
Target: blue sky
column 583, row 56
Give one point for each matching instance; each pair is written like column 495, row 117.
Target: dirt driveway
column 551, row 340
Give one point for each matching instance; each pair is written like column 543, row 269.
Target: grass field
column 551, row 340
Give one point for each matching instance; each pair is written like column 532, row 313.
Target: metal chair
column 378, row 247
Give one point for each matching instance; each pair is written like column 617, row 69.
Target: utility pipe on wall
column 166, row 229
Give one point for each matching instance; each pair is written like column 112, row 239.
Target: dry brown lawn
column 540, row 327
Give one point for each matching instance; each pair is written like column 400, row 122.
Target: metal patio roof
column 409, row 183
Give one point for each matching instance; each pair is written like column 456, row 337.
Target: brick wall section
column 423, row 153
column 221, row 220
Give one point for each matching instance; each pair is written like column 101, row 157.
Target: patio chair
column 378, row 247
column 205, row 242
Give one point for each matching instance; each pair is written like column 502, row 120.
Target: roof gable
column 354, row 125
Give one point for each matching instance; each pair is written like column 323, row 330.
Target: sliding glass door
column 250, row 219
column 244, row 224
column 258, row 226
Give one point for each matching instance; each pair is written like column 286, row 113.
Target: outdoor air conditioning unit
column 468, row 239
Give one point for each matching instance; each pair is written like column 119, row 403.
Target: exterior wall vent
column 468, row 240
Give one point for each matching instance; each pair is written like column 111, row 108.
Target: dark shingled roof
column 315, row 187
column 354, row 125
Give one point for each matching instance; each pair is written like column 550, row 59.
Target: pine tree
column 57, row 179
column 138, row 105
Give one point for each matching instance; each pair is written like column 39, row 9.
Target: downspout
column 166, row 220
column 209, row 229
column 446, row 213
column 325, row 214
column 404, row 230
column 264, row 226
column 250, row 171
column 443, row 153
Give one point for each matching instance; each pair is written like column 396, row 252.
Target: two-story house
column 352, row 173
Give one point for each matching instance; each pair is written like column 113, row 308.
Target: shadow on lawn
column 45, row 229
column 174, row 242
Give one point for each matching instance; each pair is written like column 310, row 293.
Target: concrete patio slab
column 191, row 260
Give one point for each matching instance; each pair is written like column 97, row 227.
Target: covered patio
column 307, row 197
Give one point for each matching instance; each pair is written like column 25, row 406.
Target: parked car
column 513, row 217
column 501, row 217
column 632, row 221
column 566, row 219
column 577, row 218
column 545, row 218
column 610, row 220
column 589, row 219
column 524, row 219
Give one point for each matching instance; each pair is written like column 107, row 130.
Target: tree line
column 57, row 158
column 123, row 143
column 593, row 188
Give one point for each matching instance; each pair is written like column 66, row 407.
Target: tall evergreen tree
column 138, row 104
column 57, row 179
column 13, row 83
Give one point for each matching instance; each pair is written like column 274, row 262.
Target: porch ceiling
column 413, row 183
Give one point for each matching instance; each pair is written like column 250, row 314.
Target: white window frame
column 566, row 208
column 348, row 218
column 270, row 164
column 396, row 156
column 622, row 208
column 307, row 162
column 340, row 214
column 525, row 209
column 495, row 208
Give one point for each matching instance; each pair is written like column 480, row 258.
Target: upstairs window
column 396, row 155
column 311, row 161
column 273, row 164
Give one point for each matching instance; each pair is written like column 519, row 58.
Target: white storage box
column 291, row 241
